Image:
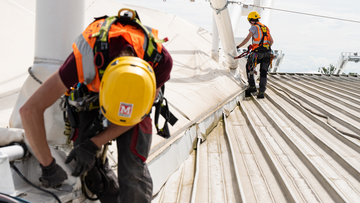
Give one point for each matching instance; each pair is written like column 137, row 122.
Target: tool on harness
column 163, row 109
column 272, row 56
column 72, row 102
column 252, row 63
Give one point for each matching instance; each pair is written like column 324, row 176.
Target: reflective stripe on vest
column 256, row 41
column 84, row 45
column 84, row 58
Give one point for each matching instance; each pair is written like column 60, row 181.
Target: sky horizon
column 308, row 42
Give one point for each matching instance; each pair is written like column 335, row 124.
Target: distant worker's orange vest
column 83, row 47
column 262, row 29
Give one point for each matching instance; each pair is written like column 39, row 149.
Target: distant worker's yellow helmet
column 127, row 90
column 253, row 16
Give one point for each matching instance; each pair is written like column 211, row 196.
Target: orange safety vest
column 83, row 47
column 263, row 31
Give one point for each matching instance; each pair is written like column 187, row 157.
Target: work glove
column 52, row 175
column 84, row 156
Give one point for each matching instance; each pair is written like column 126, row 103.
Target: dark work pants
column 263, row 58
column 134, row 177
column 133, row 149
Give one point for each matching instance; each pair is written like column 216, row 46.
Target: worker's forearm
column 247, row 38
column 241, row 44
column 32, row 116
column 33, row 123
column 112, row 132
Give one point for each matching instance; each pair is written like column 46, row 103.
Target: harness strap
column 153, row 57
column 264, row 34
column 101, row 48
column 163, row 109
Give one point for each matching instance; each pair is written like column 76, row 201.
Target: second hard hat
column 253, row 15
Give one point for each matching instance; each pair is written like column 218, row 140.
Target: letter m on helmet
column 125, row 109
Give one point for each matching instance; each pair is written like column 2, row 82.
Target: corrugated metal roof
column 299, row 144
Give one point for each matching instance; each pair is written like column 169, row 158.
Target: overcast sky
column 308, row 42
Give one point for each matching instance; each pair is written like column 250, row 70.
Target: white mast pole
column 57, row 24
column 235, row 15
column 223, row 22
column 215, row 41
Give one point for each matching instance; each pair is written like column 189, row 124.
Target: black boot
column 261, row 95
column 249, row 90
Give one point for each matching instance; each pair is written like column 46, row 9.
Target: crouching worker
column 119, row 70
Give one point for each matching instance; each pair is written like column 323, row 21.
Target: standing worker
column 116, row 72
column 260, row 53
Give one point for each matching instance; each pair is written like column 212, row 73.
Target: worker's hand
column 84, row 155
column 52, row 175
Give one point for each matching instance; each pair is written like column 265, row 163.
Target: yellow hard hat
column 127, row 90
column 253, row 15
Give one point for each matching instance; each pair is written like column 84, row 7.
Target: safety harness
column 262, row 47
column 78, row 98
